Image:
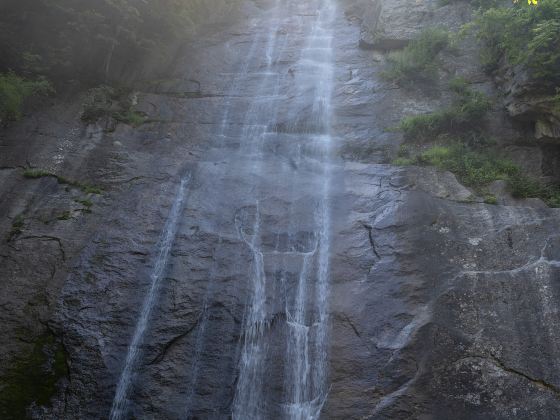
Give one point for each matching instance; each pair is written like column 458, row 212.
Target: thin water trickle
column 120, row 401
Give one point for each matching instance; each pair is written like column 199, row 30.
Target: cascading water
column 305, row 387
column 120, row 401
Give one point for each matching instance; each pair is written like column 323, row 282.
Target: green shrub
column 522, row 186
column 473, row 168
column 477, row 168
column 13, row 92
column 418, row 60
column 490, row 199
column 554, row 200
column 459, row 85
column 462, row 117
column 425, row 126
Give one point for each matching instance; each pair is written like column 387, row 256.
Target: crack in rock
column 539, row 383
column 167, row 346
column 371, row 240
column 349, row 322
column 49, row 238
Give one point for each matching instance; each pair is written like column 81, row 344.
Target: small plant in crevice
column 17, row 227
column 66, row 215
column 419, row 59
column 87, row 205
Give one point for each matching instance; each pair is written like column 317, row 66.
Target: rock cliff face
column 526, row 100
column 392, row 25
column 439, row 306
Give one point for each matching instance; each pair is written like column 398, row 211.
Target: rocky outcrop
column 528, row 100
column 462, row 328
column 390, row 25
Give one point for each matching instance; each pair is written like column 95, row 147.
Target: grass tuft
column 66, row 215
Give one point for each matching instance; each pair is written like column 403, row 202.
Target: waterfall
column 277, row 151
column 120, row 401
column 306, row 312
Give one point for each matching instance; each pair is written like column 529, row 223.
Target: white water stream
column 120, row 401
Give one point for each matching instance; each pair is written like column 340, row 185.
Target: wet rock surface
column 440, row 306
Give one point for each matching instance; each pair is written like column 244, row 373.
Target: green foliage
column 522, row 186
column 86, row 188
column 32, row 378
column 474, row 168
column 39, row 173
column 17, row 227
column 478, row 167
column 490, row 199
column 425, row 126
column 36, row 173
column 13, row 92
column 463, row 115
column 482, row 4
column 522, row 34
column 418, row 60
column 131, row 117
column 404, row 161
column 543, row 51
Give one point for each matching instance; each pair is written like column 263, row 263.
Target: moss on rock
column 33, row 377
